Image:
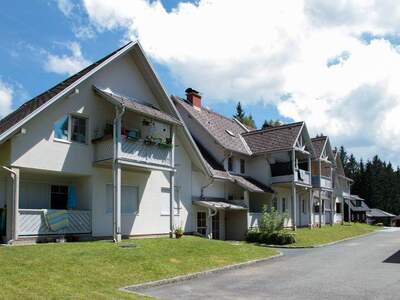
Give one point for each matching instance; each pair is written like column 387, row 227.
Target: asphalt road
column 363, row 268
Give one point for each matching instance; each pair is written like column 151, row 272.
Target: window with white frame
column 201, row 223
column 284, row 204
column 165, row 211
column 72, row 128
column 129, row 199
column 275, row 203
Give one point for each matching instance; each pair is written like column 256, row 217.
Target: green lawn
column 97, row 269
column 327, row 234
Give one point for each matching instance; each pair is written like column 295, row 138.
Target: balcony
column 32, row 222
column 282, row 173
column 139, row 151
column 323, row 182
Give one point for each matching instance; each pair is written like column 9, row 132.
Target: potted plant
column 178, row 232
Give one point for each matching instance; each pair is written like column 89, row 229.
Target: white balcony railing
column 300, row 176
column 136, row 151
column 322, row 182
column 32, row 222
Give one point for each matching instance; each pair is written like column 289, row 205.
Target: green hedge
column 275, row 238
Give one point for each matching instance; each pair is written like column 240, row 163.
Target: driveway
column 363, row 268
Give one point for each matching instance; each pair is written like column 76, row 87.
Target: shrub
column 271, row 220
column 277, row 238
column 253, row 236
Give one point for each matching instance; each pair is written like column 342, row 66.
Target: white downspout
column 15, row 203
column 117, row 174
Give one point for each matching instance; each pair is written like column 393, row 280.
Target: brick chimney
column 194, row 97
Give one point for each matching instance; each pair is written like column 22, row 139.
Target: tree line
column 375, row 180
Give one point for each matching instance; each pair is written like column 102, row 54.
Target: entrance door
column 215, row 227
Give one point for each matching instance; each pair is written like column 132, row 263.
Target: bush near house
column 270, row 229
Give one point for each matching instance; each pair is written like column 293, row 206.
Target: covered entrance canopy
column 225, row 220
column 216, row 205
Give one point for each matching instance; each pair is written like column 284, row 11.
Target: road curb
column 322, row 245
column 141, row 286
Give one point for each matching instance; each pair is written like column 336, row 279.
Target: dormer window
column 230, row 132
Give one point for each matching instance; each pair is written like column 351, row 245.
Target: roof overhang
column 135, row 106
column 218, row 205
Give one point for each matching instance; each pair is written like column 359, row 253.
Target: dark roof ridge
column 206, row 109
column 273, row 128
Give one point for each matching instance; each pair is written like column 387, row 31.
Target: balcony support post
column 172, row 185
column 310, row 204
column 332, row 208
column 294, row 210
column 117, row 234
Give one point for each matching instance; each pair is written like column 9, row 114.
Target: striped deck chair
column 56, row 219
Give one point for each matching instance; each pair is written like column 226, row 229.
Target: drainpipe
column 204, row 187
column 211, row 213
column 119, row 111
column 15, row 202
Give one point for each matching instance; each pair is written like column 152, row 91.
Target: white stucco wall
column 38, row 150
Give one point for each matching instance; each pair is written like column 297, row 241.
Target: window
column 78, row 129
column 201, row 223
column 283, row 205
column 165, row 201
column 338, row 208
column 59, row 197
column 242, row 166
column 230, row 164
column 61, row 129
column 303, row 206
column 71, row 128
column 129, row 199
column 275, row 203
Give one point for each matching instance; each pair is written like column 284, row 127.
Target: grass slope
column 97, row 269
column 327, row 234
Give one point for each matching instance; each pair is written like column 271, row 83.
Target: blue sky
column 31, row 27
column 332, row 64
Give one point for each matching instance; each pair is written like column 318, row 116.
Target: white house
column 107, row 153
column 251, row 168
column 108, row 132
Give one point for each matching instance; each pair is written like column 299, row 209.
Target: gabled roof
column 218, row 171
column 378, row 213
column 134, row 105
column 320, row 144
column 226, row 132
column 33, row 105
column 272, row 139
column 13, row 122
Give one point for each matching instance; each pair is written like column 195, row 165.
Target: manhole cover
column 128, row 246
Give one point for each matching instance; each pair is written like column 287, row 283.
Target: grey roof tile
column 216, row 125
column 273, row 138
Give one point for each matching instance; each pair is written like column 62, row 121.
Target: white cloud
column 66, row 64
column 6, row 96
column 263, row 50
column 66, row 7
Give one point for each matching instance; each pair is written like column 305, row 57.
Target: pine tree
column 239, row 112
